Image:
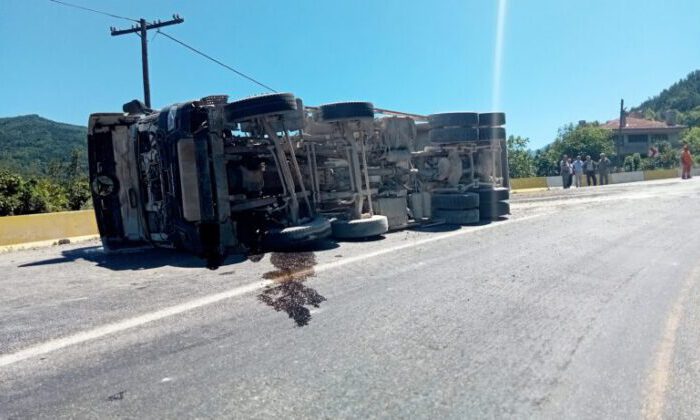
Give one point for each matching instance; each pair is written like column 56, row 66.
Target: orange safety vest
column 686, row 158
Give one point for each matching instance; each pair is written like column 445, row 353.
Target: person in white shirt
column 578, row 171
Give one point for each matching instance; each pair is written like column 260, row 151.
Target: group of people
column 572, row 172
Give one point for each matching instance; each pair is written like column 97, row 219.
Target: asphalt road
column 584, row 304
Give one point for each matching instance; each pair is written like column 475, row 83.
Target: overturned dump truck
column 405, row 169
column 336, row 141
column 206, row 176
column 213, row 177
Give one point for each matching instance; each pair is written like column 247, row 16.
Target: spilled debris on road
column 289, row 294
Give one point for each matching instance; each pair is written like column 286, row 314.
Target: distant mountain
column 28, row 143
column 683, row 97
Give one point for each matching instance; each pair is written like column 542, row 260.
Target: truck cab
column 207, row 176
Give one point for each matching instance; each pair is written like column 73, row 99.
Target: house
column 640, row 134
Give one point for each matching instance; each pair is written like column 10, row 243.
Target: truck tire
column 453, row 134
column 493, row 211
column 317, row 228
column 454, row 119
column 457, row 217
column 491, row 195
column 492, row 119
column 492, row 133
column 360, row 228
column 259, row 106
column 455, row 201
column 344, row 111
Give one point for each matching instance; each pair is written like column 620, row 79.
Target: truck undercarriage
column 214, row 177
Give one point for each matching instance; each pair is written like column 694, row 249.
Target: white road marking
column 99, row 332
column 657, row 382
column 75, row 299
column 349, row 260
column 113, row 328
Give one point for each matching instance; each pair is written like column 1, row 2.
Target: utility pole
column 141, row 30
column 623, row 118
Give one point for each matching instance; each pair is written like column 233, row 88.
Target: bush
column 648, row 164
column 632, row 163
column 78, row 195
column 20, row 196
column 39, row 195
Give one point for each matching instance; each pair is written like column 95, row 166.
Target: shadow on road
column 148, row 258
column 289, row 294
column 447, row 227
column 140, row 259
column 372, row 239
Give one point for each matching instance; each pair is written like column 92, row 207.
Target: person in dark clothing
column 604, row 166
column 565, row 171
column 589, row 169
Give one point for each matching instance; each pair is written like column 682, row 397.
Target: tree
column 546, row 164
column 78, row 195
column 690, row 118
column 520, row 160
column 10, row 187
column 683, row 97
column 20, row 196
column 583, row 140
column 586, row 139
column 667, row 158
column 691, row 137
column 632, row 163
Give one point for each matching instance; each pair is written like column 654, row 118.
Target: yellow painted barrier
column 46, row 226
column 660, row 174
column 526, row 183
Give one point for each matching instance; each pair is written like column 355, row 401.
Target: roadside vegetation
column 43, row 166
column 64, row 186
column 682, row 100
column 591, row 140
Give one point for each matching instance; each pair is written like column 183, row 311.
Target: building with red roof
column 640, row 134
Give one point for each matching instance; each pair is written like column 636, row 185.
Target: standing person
column 565, row 171
column 589, row 167
column 578, row 171
column 604, row 165
column 686, row 163
column 571, row 172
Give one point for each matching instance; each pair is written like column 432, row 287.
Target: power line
column 142, row 30
column 155, row 25
column 217, row 61
column 93, row 10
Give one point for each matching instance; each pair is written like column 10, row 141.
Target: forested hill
column 683, row 97
column 29, row 143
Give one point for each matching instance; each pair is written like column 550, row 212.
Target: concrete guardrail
column 525, row 183
column 37, row 228
column 615, row 178
column 662, row 174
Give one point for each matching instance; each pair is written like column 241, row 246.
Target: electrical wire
column 93, row 10
column 158, row 31
column 216, row 61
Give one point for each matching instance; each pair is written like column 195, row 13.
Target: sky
column 561, row 60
